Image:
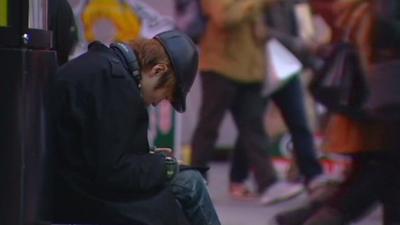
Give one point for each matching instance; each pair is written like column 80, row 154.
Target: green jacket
column 229, row 46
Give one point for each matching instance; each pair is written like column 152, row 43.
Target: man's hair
column 151, row 53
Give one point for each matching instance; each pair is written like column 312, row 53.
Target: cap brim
column 183, row 56
column 179, row 103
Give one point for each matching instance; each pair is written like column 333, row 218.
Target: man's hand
column 171, row 164
column 171, row 167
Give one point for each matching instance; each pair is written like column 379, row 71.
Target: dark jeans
column 246, row 105
column 290, row 101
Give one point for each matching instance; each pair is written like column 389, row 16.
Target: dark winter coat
column 104, row 171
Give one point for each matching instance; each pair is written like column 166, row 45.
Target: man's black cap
column 184, row 58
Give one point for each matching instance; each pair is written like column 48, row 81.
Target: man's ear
column 159, row 69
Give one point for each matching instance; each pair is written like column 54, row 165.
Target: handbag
column 282, row 66
column 340, row 84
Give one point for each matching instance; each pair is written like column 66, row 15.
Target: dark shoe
column 323, row 192
column 326, row 216
column 296, row 216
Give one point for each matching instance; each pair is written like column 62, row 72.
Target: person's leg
column 356, row 196
column 239, row 172
column 326, row 216
column 349, row 201
column 391, row 201
column 290, row 101
column 391, row 189
column 361, row 191
column 247, row 112
column 217, row 96
column 299, row 215
column 190, row 188
column 240, row 167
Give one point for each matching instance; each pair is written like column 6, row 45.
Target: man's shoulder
column 89, row 64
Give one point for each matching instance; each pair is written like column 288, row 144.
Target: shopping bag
column 304, row 21
column 282, row 65
column 340, row 84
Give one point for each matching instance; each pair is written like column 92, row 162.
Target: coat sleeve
column 113, row 121
column 386, row 18
column 388, row 32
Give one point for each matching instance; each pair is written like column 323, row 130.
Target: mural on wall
column 126, row 20
column 117, row 20
column 109, row 21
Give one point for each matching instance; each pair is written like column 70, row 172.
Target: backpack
column 190, row 18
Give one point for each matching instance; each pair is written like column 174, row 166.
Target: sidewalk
column 234, row 212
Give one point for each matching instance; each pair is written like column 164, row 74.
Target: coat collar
column 97, row 45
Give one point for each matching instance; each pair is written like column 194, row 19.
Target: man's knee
column 189, row 181
column 193, row 177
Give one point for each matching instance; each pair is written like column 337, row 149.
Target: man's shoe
column 281, row 191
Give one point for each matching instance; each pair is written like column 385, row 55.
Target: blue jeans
column 190, row 188
column 290, row 101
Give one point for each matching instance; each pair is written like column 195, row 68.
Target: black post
column 26, row 64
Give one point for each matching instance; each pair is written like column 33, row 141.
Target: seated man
column 106, row 173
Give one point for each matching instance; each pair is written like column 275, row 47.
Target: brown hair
column 151, row 53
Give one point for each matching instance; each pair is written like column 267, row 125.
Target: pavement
column 250, row 212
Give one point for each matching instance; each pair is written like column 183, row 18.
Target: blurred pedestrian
column 372, row 142
column 232, row 67
column 289, row 99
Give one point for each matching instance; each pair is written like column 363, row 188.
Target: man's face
column 151, row 94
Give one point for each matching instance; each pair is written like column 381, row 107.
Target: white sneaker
column 281, row 191
column 318, row 181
